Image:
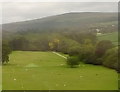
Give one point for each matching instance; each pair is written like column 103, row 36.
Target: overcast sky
column 14, row 12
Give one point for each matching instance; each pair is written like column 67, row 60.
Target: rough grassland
column 47, row 71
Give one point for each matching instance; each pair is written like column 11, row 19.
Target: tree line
column 81, row 47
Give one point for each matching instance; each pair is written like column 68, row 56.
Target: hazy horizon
column 55, row 15
column 18, row 12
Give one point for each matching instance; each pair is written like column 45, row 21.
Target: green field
column 0, row 77
column 48, row 71
column 109, row 36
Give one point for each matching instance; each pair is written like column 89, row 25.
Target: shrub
column 98, row 61
column 90, row 59
column 73, row 61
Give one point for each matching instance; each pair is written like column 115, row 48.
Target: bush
column 73, row 61
column 90, row 59
column 98, row 61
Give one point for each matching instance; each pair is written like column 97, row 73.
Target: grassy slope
column 0, row 77
column 51, row 75
column 110, row 36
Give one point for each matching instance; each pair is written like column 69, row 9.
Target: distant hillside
column 70, row 21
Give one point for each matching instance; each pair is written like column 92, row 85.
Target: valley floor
column 29, row 70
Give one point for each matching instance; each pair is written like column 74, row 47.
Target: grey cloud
column 13, row 12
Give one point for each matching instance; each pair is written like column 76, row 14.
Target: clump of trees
column 111, row 58
column 102, row 47
column 19, row 43
column 54, row 44
column 87, row 51
column 6, row 50
column 50, row 41
column 102, row 53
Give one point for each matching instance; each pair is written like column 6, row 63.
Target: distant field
column 110, row 36
column 47, row 71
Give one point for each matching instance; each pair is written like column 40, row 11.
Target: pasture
column 109, row 36
column 29, row 70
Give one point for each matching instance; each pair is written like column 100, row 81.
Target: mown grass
column 51, row 73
